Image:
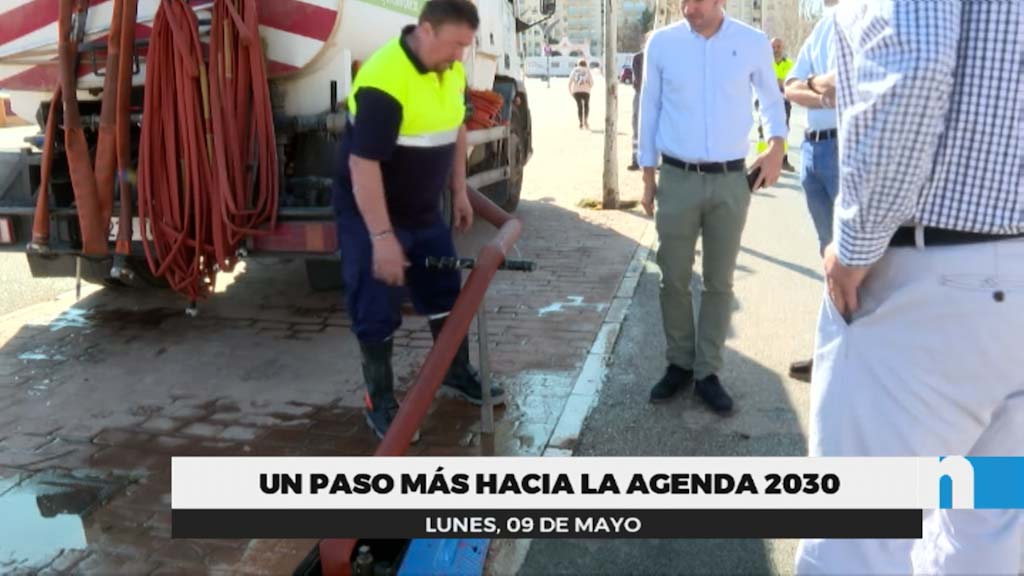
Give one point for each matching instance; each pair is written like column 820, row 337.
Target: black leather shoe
column 674, row 380
column 801, row 370
column 711, row 392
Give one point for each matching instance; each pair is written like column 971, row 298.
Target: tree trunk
column 610, row 199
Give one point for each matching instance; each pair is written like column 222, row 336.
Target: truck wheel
column 506, row 194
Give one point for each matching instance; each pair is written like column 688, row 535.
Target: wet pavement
column 97, row 396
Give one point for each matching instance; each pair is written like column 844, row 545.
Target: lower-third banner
column 385, row 524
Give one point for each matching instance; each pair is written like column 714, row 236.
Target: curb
column 507, row 556
column 592, row 375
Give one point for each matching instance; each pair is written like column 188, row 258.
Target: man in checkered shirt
column 919, row 337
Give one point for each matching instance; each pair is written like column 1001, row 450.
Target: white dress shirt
column 931, row 102
column 696, row 103
column 818, row 56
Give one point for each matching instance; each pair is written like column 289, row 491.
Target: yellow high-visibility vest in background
column 782, row 69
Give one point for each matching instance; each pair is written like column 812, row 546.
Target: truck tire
column 506, row 194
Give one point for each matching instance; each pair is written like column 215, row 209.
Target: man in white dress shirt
column 696, row 113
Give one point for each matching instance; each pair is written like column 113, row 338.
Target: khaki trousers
column 691, row 206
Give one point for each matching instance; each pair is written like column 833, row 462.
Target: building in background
column 551, row 30
column 635, row 17
column 749, row 11
column 781, row 18
column 584, row 24
column 775, row 17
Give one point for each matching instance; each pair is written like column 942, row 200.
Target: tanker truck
column 308, row 52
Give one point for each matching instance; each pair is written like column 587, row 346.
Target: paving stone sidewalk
column 97, row 396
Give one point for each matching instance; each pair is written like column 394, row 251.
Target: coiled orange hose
column 208, row 158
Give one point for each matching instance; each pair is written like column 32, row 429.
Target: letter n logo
column 955, row 476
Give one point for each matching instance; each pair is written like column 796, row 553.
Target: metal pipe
column 93, row 121
column 487, row 407
column 333, row 123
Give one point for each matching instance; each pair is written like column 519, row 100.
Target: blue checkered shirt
column 931, row 119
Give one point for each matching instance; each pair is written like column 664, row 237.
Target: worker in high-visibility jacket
column 404, row 144
column 783, row 65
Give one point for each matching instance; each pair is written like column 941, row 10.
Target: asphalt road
column 778, row 287
column 17, row 287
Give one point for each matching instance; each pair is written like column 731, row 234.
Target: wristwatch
column 810, row 84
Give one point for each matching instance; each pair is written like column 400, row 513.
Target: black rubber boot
column 381, row 405
column 462, row 377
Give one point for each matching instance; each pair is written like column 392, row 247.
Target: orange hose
column 41, row 218
column 83, row 180
column 487, row 107
column 122, row 125
column 106, row 147
column 208, row 156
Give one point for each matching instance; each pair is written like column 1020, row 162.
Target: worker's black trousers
column 374, row 306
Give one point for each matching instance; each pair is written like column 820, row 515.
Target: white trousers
column 931, row 365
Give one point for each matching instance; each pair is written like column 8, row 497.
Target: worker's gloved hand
column 463, row 212
column 389, row 262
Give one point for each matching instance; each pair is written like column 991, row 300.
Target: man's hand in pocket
column 843, row 282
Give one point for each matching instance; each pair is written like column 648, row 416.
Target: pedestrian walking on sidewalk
column 918, row 339
column 811, row 84
column 696, row 114
column 404, row 143
column 638, row 84
column 581, row 82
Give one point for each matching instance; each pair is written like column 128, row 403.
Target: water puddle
column 147, row 317
column 70, row 318
column 39, row 355
column 42, row 515
column 83, row 318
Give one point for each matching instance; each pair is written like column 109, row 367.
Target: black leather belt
column 707, row 167
column 942, row 237
column 819, row 135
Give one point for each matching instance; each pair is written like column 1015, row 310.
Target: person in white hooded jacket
column 580, row 83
